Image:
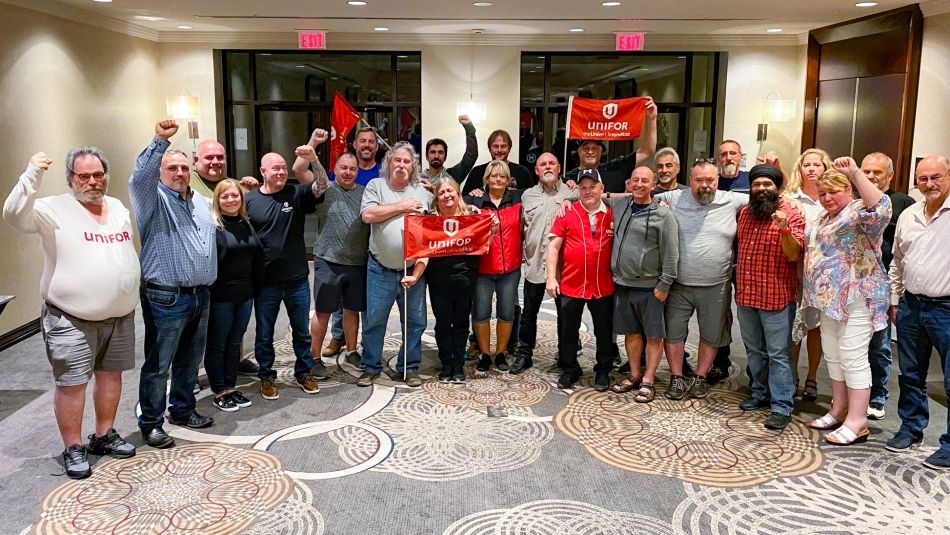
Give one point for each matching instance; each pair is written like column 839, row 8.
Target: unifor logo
column 450, row 227
column 610, row 110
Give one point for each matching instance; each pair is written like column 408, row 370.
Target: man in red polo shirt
column 770, row 234
column 586, row 235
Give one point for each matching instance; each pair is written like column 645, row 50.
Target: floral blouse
column 843, row 261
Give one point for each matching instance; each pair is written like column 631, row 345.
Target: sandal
column 646, row 394
column 625, row 385
column 825, row 423
column 810, row 392
column 844, row 436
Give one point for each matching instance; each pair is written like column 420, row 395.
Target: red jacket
column 586, row 272
column 504, row 255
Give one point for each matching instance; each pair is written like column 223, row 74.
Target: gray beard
column 730, row 169
column 95, row 198
column 704, row 197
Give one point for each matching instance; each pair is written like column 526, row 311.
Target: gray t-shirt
column 343, row 237
column 385, row 239
column 706, row 233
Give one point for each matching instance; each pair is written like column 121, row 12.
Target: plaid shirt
column 765, row 278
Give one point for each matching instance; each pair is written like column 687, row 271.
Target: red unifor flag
column 605, row 119
column 428, row 236
column 342, row 120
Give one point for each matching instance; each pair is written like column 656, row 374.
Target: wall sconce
column 775, row 109
column 185, row 107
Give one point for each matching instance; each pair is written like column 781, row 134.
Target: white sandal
column 825, row 423
column 844, row 436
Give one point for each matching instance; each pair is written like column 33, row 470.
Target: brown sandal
column 646, row 394
column 810, row 393
column 625, row 385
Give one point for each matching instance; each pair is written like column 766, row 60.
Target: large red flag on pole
column 342, row 119
column 605, row 119
column 428, row 236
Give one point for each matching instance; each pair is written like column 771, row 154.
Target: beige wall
column 64, row 85
column 932, row 125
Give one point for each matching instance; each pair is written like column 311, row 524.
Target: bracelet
column 785, row 231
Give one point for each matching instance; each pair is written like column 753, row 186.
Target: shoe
column 777, row 421
column 458, row 374
column 484, row 363
column 269, row 389
column 624, row 368
column 679, row 385
column 501, row 362
column 225, row 403
column 76, row 463
column 825, row 423
column 413, row 380
column 751, row 404
column 810, row 392
column 307, row 383
column 192, row 420
column 248, row 368
column 353, row 358
column 156, row 437
column 196, row 389
column 110, row 444
column 876, row 411
column 445, row 375
column 699, row 389
column 602, row 381
column 716, row 375
column 901, row 442
column 333, row 348
column 580, row 348
column 472, row 352
column 319, row 371
column 565, row 381
column 938, row 460
column 238, row 398
column 367, row 379
column 844, row 436
column 520, row 365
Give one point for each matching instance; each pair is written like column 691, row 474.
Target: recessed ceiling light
column 301, row 66
column 610, row 4
column 482, row 4
column 357, row 3
column 402, row 57
column 381, row 29
column 264, row 54
column 774, row 30
column 148, row 18
column 102, row 1
column 865, row 4
column 576, row 29
column 183, row 27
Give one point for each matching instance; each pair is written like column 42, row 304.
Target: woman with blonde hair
column 802, row 187
column 240, row 263
column 845, row 280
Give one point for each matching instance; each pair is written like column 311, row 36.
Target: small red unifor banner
column 428, row 236
column 605, row 119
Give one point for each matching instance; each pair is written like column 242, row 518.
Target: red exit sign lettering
column 312, row 40
column 630, row 41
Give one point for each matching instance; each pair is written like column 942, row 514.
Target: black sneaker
column 716, row 375
column 353, row 358
column 110, row 444
column 901, row 442
column 192, row 420
column 248, row 368
column 750, row 404
column 238, row 398
column 446, row 374
column 224, row 403
column 624, row 368
column 484, row 363
column 566, row 381
column 501, row 362
column 76, row 463
column 699, row 389
column 520, row 365
column 458, row 374
column 602, row 381
column 777, row 421
column 876, row 411
column 679, row 385
column 319, row 371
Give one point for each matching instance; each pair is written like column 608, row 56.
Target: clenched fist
column 166, row 128
column 846, row 166
column 306, row 152
column 319, row 136
column 780, row 219
column 41, row 160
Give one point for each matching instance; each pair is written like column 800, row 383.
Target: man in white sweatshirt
column 90, row 287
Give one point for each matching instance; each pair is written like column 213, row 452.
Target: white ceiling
column 504, row 18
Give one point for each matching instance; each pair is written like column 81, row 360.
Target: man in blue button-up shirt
column 179, row 262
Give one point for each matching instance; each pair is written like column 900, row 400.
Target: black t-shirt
column 899, row 202
column 278, row 219
column 614, row 173
column 240, row 261
column 522, row 178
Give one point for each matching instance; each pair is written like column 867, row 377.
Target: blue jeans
column 175, row 329
column 227, row 322
column 336, row 323
column 879, row 356
column 383, row 289
column 296, row 299
column 506, row 288
column 767, row 336
column 922, row 325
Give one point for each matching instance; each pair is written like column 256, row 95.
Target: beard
column 436, row 163
column 92, row 196
column 763, row 205
column 730, row 169
column 665, row 179
column 705, row 196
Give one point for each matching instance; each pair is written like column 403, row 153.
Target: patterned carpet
column 500, row 454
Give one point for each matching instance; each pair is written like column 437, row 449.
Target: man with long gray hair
column 89, row 287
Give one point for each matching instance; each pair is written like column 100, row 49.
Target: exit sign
column 311, row 40
column 630, row 41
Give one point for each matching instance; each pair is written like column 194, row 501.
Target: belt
column 384, row 268
column 183, row 290
column 928, row 299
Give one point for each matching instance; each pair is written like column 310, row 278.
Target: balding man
column 879, row 168
column 179, row 263
column 920, row 304
column 277, row 212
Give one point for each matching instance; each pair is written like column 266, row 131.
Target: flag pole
column 362, row 120
column 567, row 133
column 405, row 322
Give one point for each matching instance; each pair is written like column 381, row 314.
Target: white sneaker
column 876, row 411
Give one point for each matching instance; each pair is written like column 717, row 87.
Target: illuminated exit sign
column 627, row 42
column 311, row 40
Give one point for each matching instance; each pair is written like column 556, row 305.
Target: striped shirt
column 178, row 235
column 765, row 278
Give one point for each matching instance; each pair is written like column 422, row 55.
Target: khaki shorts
column 713, row 307
column 76, row 347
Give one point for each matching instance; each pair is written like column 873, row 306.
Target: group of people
column 641, row 251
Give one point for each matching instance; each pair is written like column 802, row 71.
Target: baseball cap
column 589, row 173
column 581, row 143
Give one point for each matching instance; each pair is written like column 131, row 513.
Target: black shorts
column 638, row 311
column 336, row 283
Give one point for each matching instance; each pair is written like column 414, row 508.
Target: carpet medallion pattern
column 483, row 390
column 706, row 441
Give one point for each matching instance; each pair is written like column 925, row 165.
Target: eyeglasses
column 86, row 177
column 932, row 178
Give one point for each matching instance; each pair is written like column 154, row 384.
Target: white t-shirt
column 385, row 239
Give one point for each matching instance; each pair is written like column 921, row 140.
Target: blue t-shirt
column 739, row 184
column 363, row 176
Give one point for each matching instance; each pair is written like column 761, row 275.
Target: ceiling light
column 576, row 29
column 402, row 57
column 381, row 29
column 301, row 66
column 865, row 4
column 774, row 30
column 150, row 19
column 102, row 1
column 482, row 4
column 183, row 27
column 357, row 3
column 610, row 4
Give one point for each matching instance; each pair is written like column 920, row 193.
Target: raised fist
column 780, row 219
column 166, row 128
column 306, row 152
column 250, row 182
column 770, row 159
column 846, row 166
column 464, row 120
column 41, row 160
column 319, row 136
column 651, row 108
